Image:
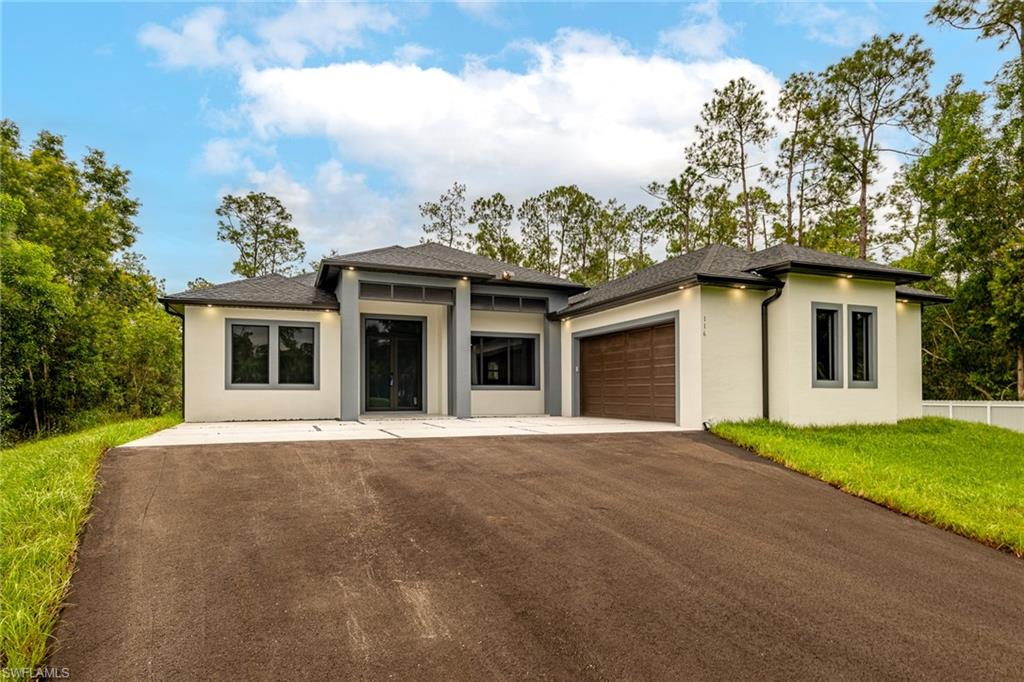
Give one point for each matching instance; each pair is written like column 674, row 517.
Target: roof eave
column 565, row 313
column 234, row 303
column 377, row 267
column 929, row 299
column 899, row 277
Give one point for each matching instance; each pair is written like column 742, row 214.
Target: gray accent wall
column 459, row 342
column 348, row 303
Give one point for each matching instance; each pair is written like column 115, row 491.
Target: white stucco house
column 788, row 333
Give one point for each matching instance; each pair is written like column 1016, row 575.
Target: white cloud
column 830, row 24
column 484, row 10
column 411, row 53
column 587, row 111
column 337, row 210
column 703, row 35
column 202, row 40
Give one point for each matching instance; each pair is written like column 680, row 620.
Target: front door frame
column 422, row 319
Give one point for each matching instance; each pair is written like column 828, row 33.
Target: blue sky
column 353, row 114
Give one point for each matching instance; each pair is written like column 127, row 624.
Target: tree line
column 81, row 334
column 955, row 209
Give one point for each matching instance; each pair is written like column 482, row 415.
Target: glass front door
column 393, row 373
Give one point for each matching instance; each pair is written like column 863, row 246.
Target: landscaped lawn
column 968, row 478
column 46, row 487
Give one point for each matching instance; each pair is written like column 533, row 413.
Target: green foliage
column 883, row 84
column 46, row 487
column 733, row 125
column 493, row 218
column 259, row 226
column 445, row 219
column 967, row 478
column 71, row 290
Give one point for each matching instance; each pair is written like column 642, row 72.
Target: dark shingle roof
column 494, row 268
column 783, row 257
column 436, row 259
column 712, row 263
column 267, row 291
column 727, row 265
column 921, row 295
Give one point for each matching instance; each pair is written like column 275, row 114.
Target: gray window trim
column 363, row 317
column 837, row 345
column 509, row 335
column 639, row 323
column 273, row 384
column 872, row 345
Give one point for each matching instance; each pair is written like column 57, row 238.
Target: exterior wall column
column 553, row 357
column 348, row 300
column 459, row 342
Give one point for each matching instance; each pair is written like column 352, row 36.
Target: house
column 788, row 332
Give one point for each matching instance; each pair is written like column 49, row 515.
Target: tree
column 445, row 219
column 71, row 287
column 557, row 228
column 1007, row 289
column 259, row 226
column 1000, row 19
column 883, row 84
column 733, row 125
column 199, row 283
column 643, row 229
column 493, row 219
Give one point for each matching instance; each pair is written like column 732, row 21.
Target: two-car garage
column 629, row 374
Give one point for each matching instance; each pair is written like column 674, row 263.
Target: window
column 863, row 347
column 263, row 354
column 826, row 345
column 295, row 355
column 504, row 361
column 514, row 304
column 250, row 356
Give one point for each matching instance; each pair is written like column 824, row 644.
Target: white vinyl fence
column 1006, row 413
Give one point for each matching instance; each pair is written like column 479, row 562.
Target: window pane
column 481, row 301
column 494, row 356
column 825, row 335
column 860, row 334
column 510, row 303
column 295, row 355
column 534, row 305
column 476, row 350
column 372, row 290
column 250, row 356
column 521, row 361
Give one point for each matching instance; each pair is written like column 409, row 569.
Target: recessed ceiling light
column 848, row 276
column 351, row 267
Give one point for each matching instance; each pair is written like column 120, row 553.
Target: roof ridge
column 709, row 257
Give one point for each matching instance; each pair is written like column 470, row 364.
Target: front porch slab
column 375, row 428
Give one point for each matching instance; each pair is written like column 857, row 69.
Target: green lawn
column 46, row 488
column 967, row 478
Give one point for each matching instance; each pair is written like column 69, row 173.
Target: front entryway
column 393, row 365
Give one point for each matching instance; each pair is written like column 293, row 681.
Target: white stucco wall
column 494, row 402
column 687, row 303
column 908, row 360
column 207, row 398
column 731, row 352
column 437, row 346
column 793, row 398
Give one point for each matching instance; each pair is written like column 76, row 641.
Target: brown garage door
column 630, row 374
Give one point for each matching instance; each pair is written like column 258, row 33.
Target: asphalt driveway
column 656, row 555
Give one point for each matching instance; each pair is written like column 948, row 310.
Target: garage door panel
column 630, row 374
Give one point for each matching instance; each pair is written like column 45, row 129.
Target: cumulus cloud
column 830, row 24
column 702, row 35
column 587, row 110
column 336, row 209
column 202, row 39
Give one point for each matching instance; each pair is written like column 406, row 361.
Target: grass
column 46, row 488
column 964, row 477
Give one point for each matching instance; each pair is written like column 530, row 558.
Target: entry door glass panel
column 393, row 373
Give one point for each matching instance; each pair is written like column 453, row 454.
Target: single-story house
column 788, row 332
